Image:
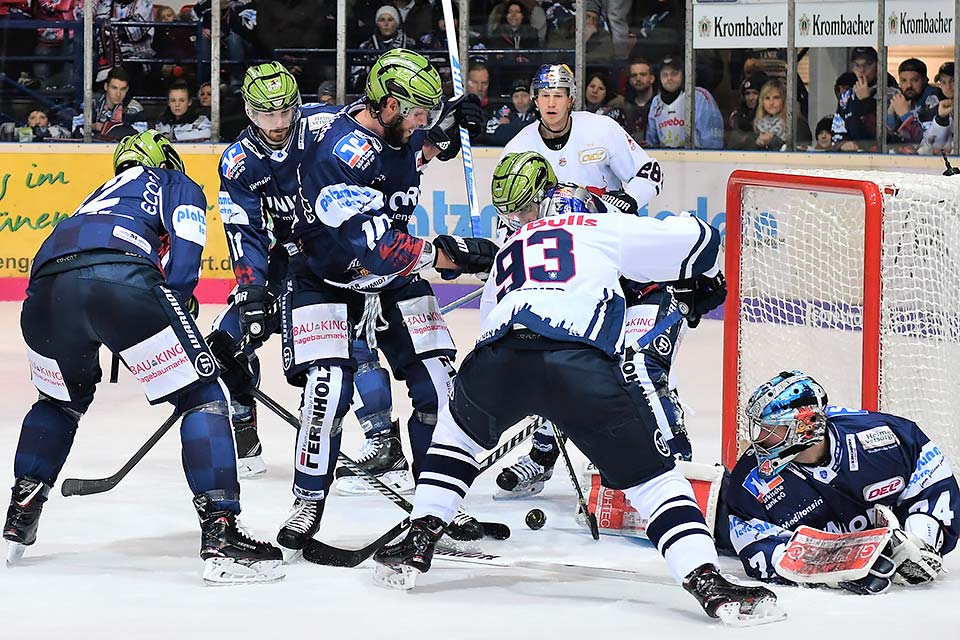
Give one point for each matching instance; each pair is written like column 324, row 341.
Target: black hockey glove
column 878, row 580
column 447, row 141
column 471, row 255
column 252, row 301
column 469, row 115
column 622, row 200
column 235, row 369
column 697, row 296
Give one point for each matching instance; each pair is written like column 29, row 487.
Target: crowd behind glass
column 152, row 67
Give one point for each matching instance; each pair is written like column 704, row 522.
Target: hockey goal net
column 854, row 278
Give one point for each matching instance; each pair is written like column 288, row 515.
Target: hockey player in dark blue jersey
column 357, row 271
column 258, row 202
column 827, row 467
column 125, row 265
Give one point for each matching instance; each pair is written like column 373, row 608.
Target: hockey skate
column 525, row 478
column 229, row 554
column 249, row 459
column 23, row 516
column 382, row 457
column 735, row 605
column 399, row 564
column 301, row 525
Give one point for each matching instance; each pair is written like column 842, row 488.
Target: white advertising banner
column 920, row 22
column 836, row 24
column 726, row 26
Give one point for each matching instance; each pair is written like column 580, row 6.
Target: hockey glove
column 469, row 115
column 918, row 562
column 878, row 580
column 235, row 369
column 622, row 201
column 193, row 307
column 448, row 142
column 252, row 301
column 697, row 296
column 471, row 255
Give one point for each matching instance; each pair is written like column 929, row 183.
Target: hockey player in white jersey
column 552, row 327
column 593, row 151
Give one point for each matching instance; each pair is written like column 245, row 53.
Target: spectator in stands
column 434, row 44
column 659, row 26
column 43, row 129
column 666, row 123
column 205, row 98
column 598, row 43
column 855, row 121
column 903, row 123
column 618, row 20
column 174, row 44
column 389, row 35
column 114, row 107
column 640, row 92
column 241, row 40
column 327, row 93
column 939, row 128
column 509, row 119
column 416, row 17
column 299, row 24
column 55, row 42
column 135, row 43
column 599, row 97
column 824, row 134
column 478, row 84
column 770, row 125
column 181, row 121
column 739, row 129
column 537, row 17
column 514, row 32
column 844, row 81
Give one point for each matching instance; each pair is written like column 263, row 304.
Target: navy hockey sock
column 45, row 440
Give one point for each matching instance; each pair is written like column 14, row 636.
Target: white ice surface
column 124, row 564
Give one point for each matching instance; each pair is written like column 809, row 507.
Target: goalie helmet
column 520, row 184
column 271, row 97
column 149, row 149
column 785, row 416
column 554, row 76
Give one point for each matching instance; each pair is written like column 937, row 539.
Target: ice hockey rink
column 124, row 564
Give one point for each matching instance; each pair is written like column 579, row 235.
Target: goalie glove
column 471, row 255
column 697, row 296
column 918, row 561
column 879, row 578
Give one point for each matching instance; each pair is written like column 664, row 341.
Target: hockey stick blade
column 80, row 487
column 321, row 553
column 495, row 530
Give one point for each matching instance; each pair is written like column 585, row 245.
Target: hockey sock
column 420, row 428
column 449, row 469
column 373, row 388
column 45, row 440
column 209, row 458
column 675, row 522
column 544, row 439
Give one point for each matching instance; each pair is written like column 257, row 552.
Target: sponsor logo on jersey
column 661, row 444
column 931, row 467
column 190, row 223
column 259, row 183
column 354, row 151
column 878, row 438
column 231, row 165
column 317, row 120
column 132, row 237
column 853, row 460
column 562, row 161
column 882, row 489
column 592, row 156
column 663, row 345
column 759, row 488
column 408, row 198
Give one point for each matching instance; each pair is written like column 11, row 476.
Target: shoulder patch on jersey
column 759, row 488
column 882, row 489
column 231, row 163
column 853, row 460
column 316, row 121
column 190, row 223
column 878, row 438
column 592, row 156
column 354, row 150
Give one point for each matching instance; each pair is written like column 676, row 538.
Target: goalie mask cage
column 854, row 278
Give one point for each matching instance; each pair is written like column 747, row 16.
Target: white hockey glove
column 918, row 561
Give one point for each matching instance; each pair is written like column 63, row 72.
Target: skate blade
column 737, row 614
column 519, row 494
column 399, row 481
column 399, row 578
column 220, row 572
column 251, row 467
column 14, row 552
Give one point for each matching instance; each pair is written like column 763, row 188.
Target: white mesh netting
column 801, row 279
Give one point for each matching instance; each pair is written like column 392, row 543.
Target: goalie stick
column 818, row 557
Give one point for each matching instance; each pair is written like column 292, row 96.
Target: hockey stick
column 591, row 517
column 466, row 150
column 79, row 487
column 462, row 300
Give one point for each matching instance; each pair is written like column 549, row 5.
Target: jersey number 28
column 543, row 256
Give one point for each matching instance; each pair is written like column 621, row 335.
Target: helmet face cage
column 785, row 416
column 149, row 149
column 409, row 78
column 271, row 98
column 554, row 76
column 520, row 183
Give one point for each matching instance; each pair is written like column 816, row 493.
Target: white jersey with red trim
column 598, row 155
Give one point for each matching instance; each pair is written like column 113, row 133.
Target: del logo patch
column 758, row 487
column 351, row 148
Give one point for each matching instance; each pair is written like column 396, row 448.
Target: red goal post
column 837, row 274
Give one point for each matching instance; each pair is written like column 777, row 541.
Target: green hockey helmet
column 271, row 98
column 520, row 183
column 148, row 149
column 411, row 79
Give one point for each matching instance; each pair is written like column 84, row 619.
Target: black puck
column 536, row 519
